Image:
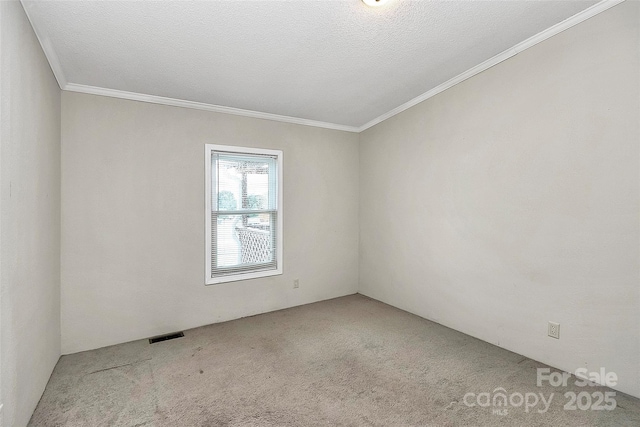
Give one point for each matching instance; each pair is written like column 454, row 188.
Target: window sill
column 243, row 276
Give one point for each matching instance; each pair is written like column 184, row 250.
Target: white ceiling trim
column 153, row 99
column 54, row 63
column 531, row 41
column 48, row 50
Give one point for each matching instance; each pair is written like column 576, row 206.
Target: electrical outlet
column 554, row 330
column 296, row 283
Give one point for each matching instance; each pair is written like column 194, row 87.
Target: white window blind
column 243, row 213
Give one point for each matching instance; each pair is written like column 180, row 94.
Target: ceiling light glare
column 374, row 3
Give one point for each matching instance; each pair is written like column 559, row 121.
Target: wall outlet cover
column 554, row 330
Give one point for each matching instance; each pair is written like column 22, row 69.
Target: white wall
column 30, row 212
column 133, row 219
column 512, row 199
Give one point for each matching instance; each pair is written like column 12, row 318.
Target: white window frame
column 208, row 150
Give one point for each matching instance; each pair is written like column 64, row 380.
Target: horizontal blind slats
column 244, row 219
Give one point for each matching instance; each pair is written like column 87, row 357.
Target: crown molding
column 56, row 67
column 153, row 99
column 531, row 41
column 48, row 50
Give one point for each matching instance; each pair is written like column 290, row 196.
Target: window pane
column 241, row 240
column 245, row 182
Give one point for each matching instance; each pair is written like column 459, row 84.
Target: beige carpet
column 345, row 362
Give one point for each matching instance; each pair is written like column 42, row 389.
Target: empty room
column 305, row 213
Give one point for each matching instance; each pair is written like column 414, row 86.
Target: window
column 243, row 213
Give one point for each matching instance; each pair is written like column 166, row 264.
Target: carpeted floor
column 350, row 361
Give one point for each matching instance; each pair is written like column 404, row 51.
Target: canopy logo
column 501, row 402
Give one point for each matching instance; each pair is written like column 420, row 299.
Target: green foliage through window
column 255, row 202
column 227, row 201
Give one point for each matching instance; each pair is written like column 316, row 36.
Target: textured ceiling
column 330, row 61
